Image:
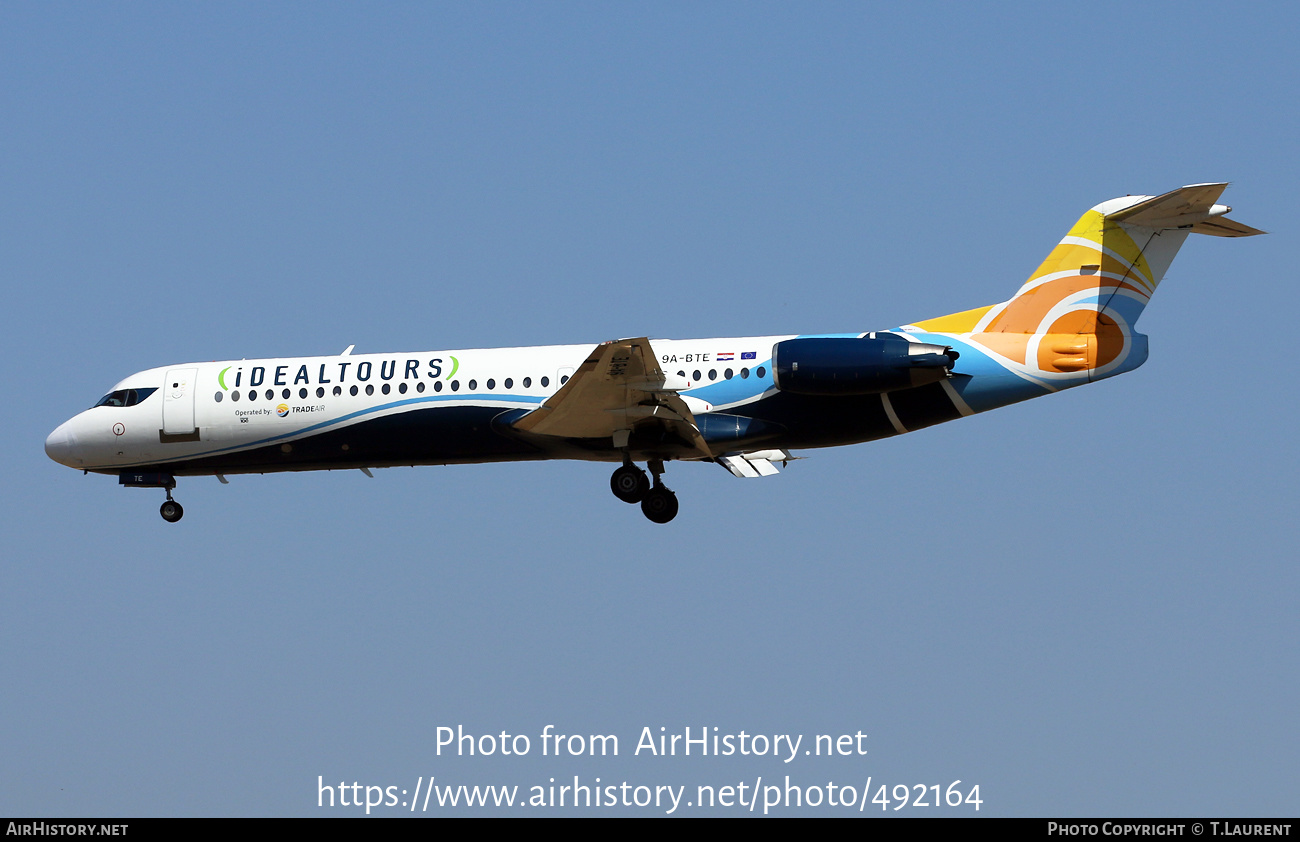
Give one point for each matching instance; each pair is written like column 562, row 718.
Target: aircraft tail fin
column 1101, row 275
column 1077, row 310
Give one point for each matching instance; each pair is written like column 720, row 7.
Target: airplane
column 742, row 403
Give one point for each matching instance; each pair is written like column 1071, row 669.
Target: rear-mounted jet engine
column 877, row 362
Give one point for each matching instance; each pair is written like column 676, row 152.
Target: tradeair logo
column 339, row 371
column 282, row 410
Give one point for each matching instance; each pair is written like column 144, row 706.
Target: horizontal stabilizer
column 1192, row 207
column 1224, row 227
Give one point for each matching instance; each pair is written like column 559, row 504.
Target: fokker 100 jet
column 742, row 403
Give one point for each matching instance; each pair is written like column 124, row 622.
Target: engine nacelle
column 858, row 366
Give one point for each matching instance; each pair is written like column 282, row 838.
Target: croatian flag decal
column 726, row 357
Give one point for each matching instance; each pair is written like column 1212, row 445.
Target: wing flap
column 758, row 463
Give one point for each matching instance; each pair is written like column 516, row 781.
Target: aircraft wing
column 618, row 391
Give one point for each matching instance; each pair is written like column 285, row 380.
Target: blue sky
column 1084, row 604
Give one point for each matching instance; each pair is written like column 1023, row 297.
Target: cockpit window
column 125, row 397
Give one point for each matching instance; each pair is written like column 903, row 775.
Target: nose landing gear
column 629, row 484
column 170, row 510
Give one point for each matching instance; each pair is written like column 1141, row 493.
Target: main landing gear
column 630, row 484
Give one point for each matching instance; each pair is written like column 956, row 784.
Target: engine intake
column 858, row 366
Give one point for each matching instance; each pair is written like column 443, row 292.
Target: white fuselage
column 201, row 411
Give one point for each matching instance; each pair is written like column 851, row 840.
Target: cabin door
column 178, row 401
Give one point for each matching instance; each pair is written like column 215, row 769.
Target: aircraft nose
column 61, row 446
